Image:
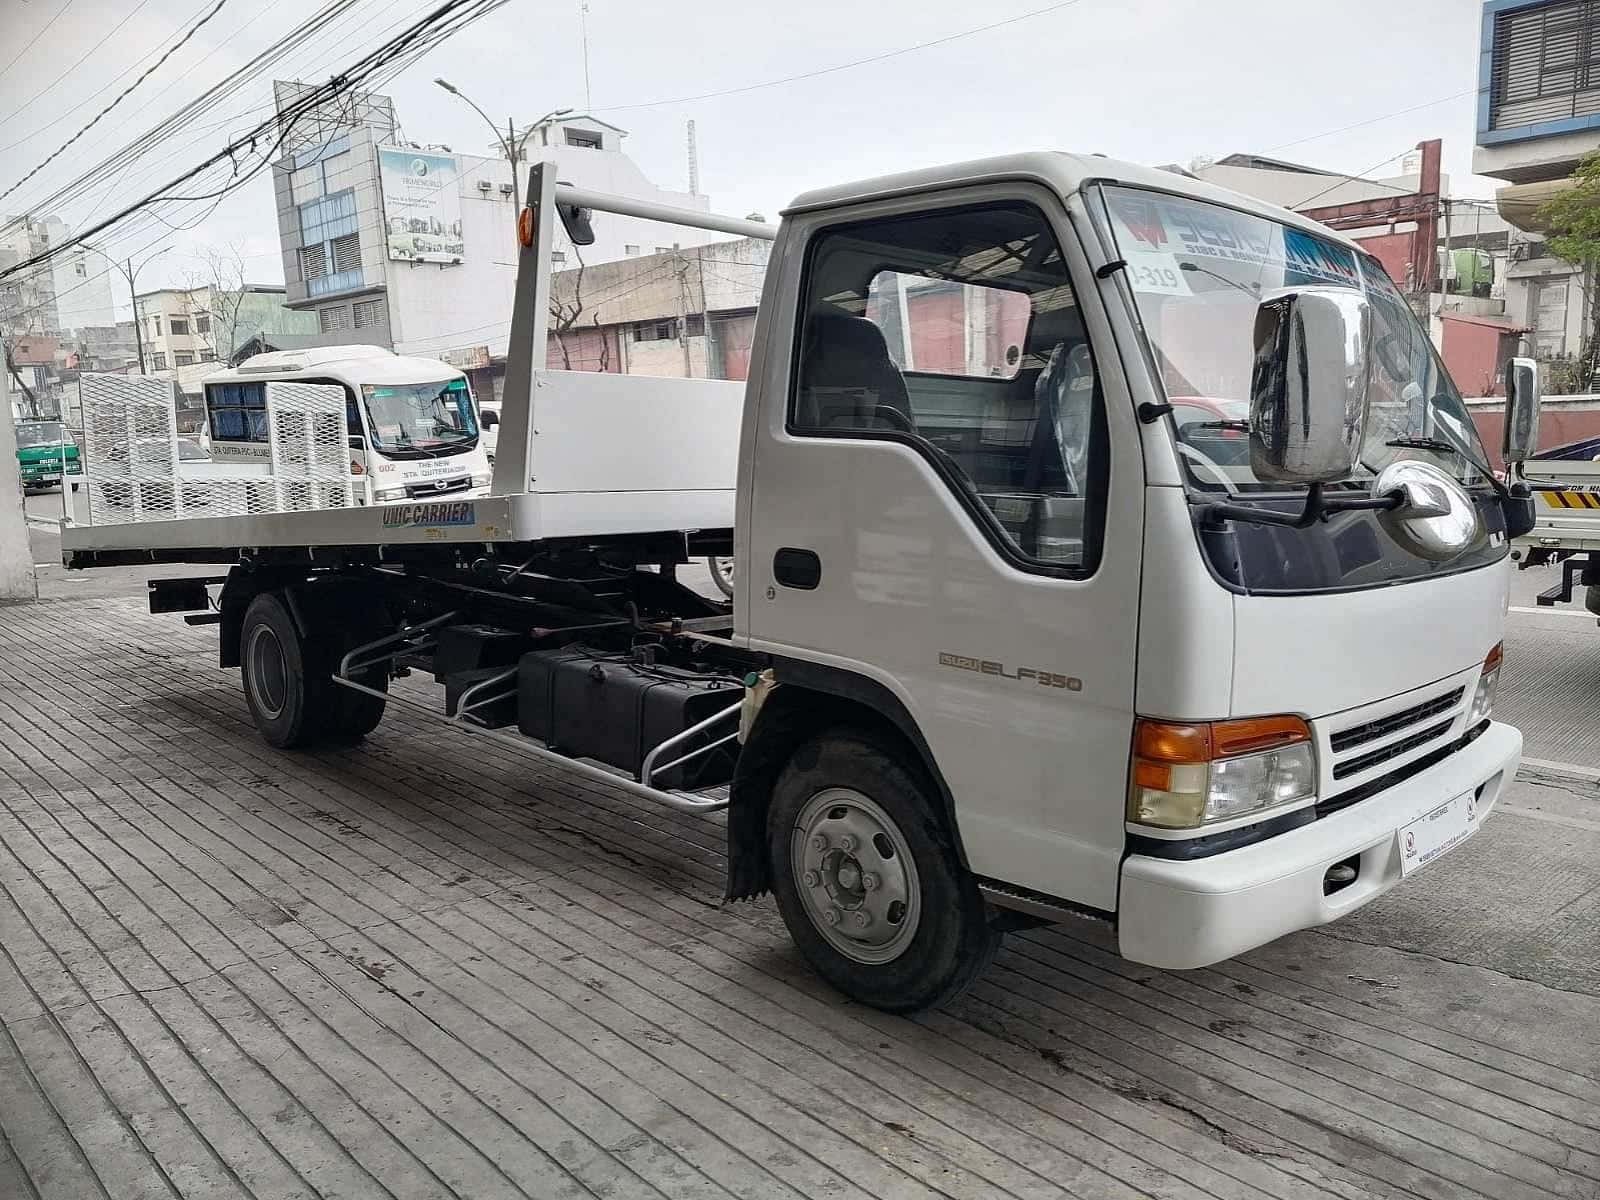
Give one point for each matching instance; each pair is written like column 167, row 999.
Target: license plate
column 48, row 478
column 1434, row 833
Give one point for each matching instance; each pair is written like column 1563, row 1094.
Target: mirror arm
column 1319, row 507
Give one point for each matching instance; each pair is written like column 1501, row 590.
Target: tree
column 566, row 305
column 1573, row 221
column 220, row 278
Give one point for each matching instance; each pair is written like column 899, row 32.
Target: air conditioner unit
column 484, row 185
column 505, row 189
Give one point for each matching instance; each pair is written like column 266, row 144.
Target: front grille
column 1363, row 762
column 1365, row 791
column 426, row 491
column 1359, row 735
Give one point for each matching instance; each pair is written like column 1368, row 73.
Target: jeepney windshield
column 40, row 433
column 420, row 420
column 1198, row 271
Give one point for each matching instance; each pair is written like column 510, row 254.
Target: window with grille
column 1545, row 64
column 331, row 319
column 313, row 261
column 158, row 362
column 655, row 331
column 368, row 313
column 202, row 323
column 179, row 325
column 182, row 358
column 346, row 253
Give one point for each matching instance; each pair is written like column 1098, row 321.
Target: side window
column 352, row 415
column 959, row 332
column 238, row 411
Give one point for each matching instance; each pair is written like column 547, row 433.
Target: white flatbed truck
column 1107, row 545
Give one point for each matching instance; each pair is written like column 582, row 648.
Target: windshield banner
column 1158, row 234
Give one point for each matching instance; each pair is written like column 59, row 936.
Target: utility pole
column 138, row 333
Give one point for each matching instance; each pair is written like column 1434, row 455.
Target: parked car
column 155, row 494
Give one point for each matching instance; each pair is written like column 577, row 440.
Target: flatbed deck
column 486, row 520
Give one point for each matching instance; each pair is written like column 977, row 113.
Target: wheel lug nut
column 812, row 879
column 863, row 918
column 847, row 843
column 869, row 882
column 819, row 842
column 831, row 916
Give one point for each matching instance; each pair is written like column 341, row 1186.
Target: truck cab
column 981, row 494
column 413, row 424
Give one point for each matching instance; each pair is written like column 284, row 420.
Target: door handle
column 797, row 568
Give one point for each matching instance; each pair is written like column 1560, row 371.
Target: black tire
column 721, row 573
column 288, row 702
column 288, row 679
column 951, row 942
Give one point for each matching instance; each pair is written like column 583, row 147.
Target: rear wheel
column 286, row 703
column 867, row 879
column 288, row 678
column 722, row 573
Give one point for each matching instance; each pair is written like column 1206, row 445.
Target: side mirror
column 577, row 222
column 1522, row 410
column 1308, row 388
column 357, row 442
column 488, row 419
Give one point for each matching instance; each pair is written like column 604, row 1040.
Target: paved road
column 432, row 966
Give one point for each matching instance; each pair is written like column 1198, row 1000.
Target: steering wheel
column 1205, row 463
column 893, row 416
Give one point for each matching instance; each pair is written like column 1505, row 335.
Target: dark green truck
column 46, row 452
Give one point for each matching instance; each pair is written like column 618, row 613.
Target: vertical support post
column 530, row 331
column 17, row 579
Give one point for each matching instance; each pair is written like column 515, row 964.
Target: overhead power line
column 1399, row 112
column 66, row 4
column 115, row 29
column 439, row 24
column 121, row 96
column 847, row 66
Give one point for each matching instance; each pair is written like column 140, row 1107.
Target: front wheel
column 867, row 879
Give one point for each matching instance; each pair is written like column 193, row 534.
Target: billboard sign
column 421, row 205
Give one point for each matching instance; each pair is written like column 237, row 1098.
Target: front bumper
column 1192, row 914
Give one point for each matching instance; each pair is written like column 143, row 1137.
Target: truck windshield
column 40, row 433
column 1198, row 272
column 420, row 420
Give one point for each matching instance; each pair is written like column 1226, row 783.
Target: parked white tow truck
column 1108, row 545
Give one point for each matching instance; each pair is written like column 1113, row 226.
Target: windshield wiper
column 1240, row 426
column 1428, row 443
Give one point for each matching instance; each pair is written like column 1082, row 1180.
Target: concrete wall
column 16, row 559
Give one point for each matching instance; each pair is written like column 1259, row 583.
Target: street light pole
column 511, row 144
column 131, row 273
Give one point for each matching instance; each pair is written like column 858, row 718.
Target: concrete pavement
column 433, row 966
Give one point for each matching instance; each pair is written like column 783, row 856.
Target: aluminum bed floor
column 529, row 517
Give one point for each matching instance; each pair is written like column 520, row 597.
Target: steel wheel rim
column 725, row 569
column 269, row 671
column 855, row 875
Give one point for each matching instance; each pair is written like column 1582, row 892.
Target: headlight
column 384, row 495
column 1483, row 698
column 1185, row 776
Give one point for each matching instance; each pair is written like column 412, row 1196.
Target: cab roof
column 1057, row 170
column 371, row 364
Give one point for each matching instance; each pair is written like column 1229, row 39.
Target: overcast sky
column 1152, row 81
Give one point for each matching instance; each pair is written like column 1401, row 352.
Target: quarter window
column 959, row 334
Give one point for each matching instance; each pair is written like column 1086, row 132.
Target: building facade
column 1538, row 115
column 186, row 327
column 414, row 247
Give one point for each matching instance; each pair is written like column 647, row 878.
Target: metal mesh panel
column 130, row 447
column 310, row 446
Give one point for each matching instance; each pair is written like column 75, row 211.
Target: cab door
column 945, row 499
